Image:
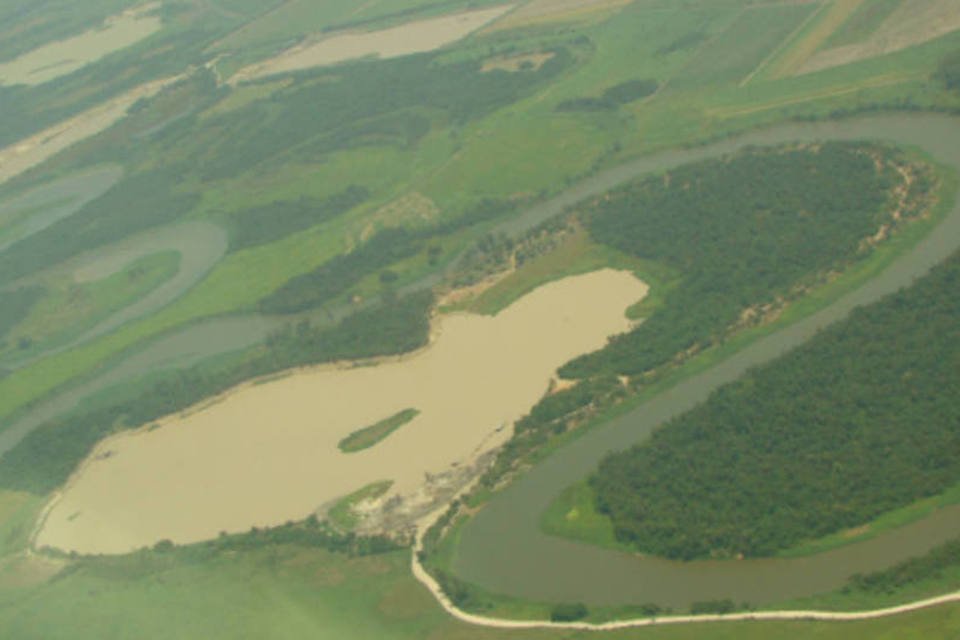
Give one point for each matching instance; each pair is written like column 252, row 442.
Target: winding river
column 502, row 548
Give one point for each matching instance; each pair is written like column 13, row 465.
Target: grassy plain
column 288, row 592
column 701, row 53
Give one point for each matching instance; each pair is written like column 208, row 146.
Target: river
column 502, row 548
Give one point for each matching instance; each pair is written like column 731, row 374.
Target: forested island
column 859, row 421
column 740, row 237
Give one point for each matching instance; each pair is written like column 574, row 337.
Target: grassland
column 524, row 149
column 343, row 516
column 369, row 436
column 862, row 23
column 288, row 592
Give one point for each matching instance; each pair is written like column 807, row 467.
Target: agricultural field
column 276, row 185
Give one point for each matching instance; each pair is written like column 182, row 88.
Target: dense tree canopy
column 741, row 231
column 863, row 419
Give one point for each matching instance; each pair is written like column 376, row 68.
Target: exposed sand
column 31, row 151
column 405, row 39
column 66, row 56
column 268, row 453
column 913, row 23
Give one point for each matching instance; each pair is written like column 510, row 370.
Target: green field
column 427, row 138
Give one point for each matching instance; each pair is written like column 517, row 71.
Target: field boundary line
column 783, row 45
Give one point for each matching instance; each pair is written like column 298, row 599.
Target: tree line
column 743, row 231
column 45, row 458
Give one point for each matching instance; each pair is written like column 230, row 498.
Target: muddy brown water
column 268, row 453
column 578, row 571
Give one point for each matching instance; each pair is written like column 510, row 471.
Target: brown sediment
column 267, row 453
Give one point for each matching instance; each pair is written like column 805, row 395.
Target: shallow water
column 268, row 453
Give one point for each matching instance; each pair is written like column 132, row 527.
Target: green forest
column 45, row 459
column 743, row 231
column 859, row 421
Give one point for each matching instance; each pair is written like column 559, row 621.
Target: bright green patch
column 342, row 514
column 374, row 434
column 574, row 515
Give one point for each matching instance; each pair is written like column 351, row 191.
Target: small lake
column 267, row 453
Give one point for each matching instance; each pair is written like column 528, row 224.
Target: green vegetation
column 856, row 423
column 948, row 72
column 68, row 309
column 386, row 247
column 45, row 458
column 16, row 305
column 270, row 163
column 374, row 434
column 863, row 22
column 568, row 612
column 746, row 233
column 342, row 514
column 277, row 220
column 739, row 49
column 615, row 96
column 136, row 203
column 574, row 515
column 566, row 253
column 932, row 565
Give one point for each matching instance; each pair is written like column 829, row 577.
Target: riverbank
column 542, row 568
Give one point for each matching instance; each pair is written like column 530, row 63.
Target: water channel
column 502, row 548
